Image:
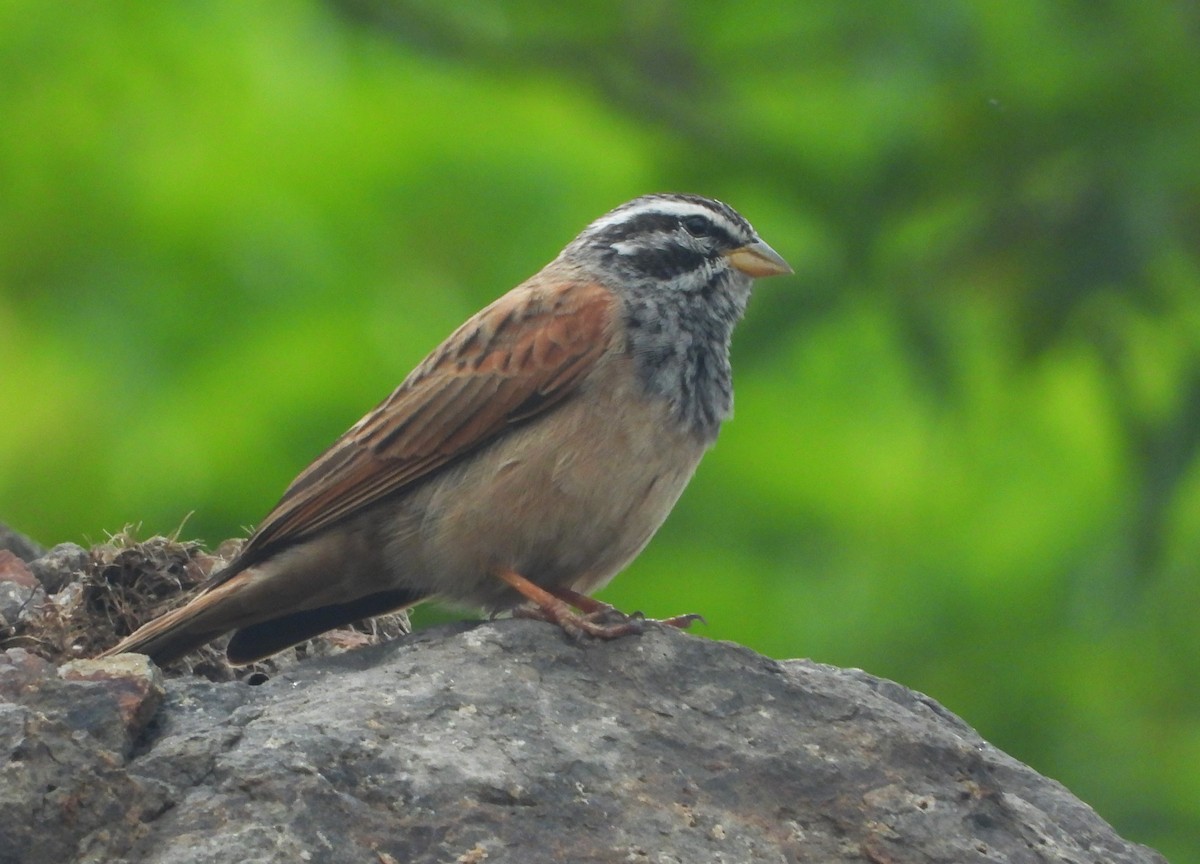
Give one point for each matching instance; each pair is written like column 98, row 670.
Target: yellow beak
column 757, row 259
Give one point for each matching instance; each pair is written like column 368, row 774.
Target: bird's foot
column 599, row 611
column 681, row 622
column 594, row 618
column 605, row 625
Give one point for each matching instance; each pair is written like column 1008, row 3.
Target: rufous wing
column 513, row 360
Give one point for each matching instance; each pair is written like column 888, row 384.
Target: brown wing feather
column 518, row 357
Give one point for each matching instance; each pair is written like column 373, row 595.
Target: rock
column 505, row 741
column 133, row 684
column 19, row 544
column 20, row 591
column 21, row 672
column 56, row 568
column 15, row 570
column 65, row 744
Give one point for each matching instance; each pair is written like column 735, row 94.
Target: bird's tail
column 170, row 636
column 249, row 603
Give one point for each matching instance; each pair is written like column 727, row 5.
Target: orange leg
column 582, row 602
column 554, row 605
column 597, row 609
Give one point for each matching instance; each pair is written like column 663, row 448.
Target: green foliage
column 965, row 455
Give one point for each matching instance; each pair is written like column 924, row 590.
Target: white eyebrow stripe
column 664, row 207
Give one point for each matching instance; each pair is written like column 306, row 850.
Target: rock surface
column 506, row 742
column 20, row 591
column 20, row 545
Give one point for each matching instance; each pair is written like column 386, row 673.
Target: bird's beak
column 757, row 259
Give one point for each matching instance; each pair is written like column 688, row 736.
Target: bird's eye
column 697, row 226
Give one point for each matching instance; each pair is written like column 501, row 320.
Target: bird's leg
column 547, row 607
column 554, row 605
column 589, row 606
column 598, row 610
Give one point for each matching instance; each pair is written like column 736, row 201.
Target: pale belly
column 566, row 501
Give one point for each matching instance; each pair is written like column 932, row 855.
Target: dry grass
column 125, row 583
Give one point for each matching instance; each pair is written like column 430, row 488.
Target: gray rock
column 15, row 601
column 56, row 568
column 19, row 544
column 506, row 742
column 20, row 593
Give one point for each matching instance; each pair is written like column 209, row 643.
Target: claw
column 599, row 620
column 684, row 621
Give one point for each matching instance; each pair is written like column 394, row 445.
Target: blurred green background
column 965, row 451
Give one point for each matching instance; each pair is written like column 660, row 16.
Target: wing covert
column 515, row 359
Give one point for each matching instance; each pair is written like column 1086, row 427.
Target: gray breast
column 680, row 342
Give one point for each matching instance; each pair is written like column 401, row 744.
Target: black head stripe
column 665, row 263
column 663, row 214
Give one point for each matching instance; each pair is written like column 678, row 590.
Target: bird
column 523, row 463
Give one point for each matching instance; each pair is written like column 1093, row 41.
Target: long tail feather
column 185, row 629
column 227, row 606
